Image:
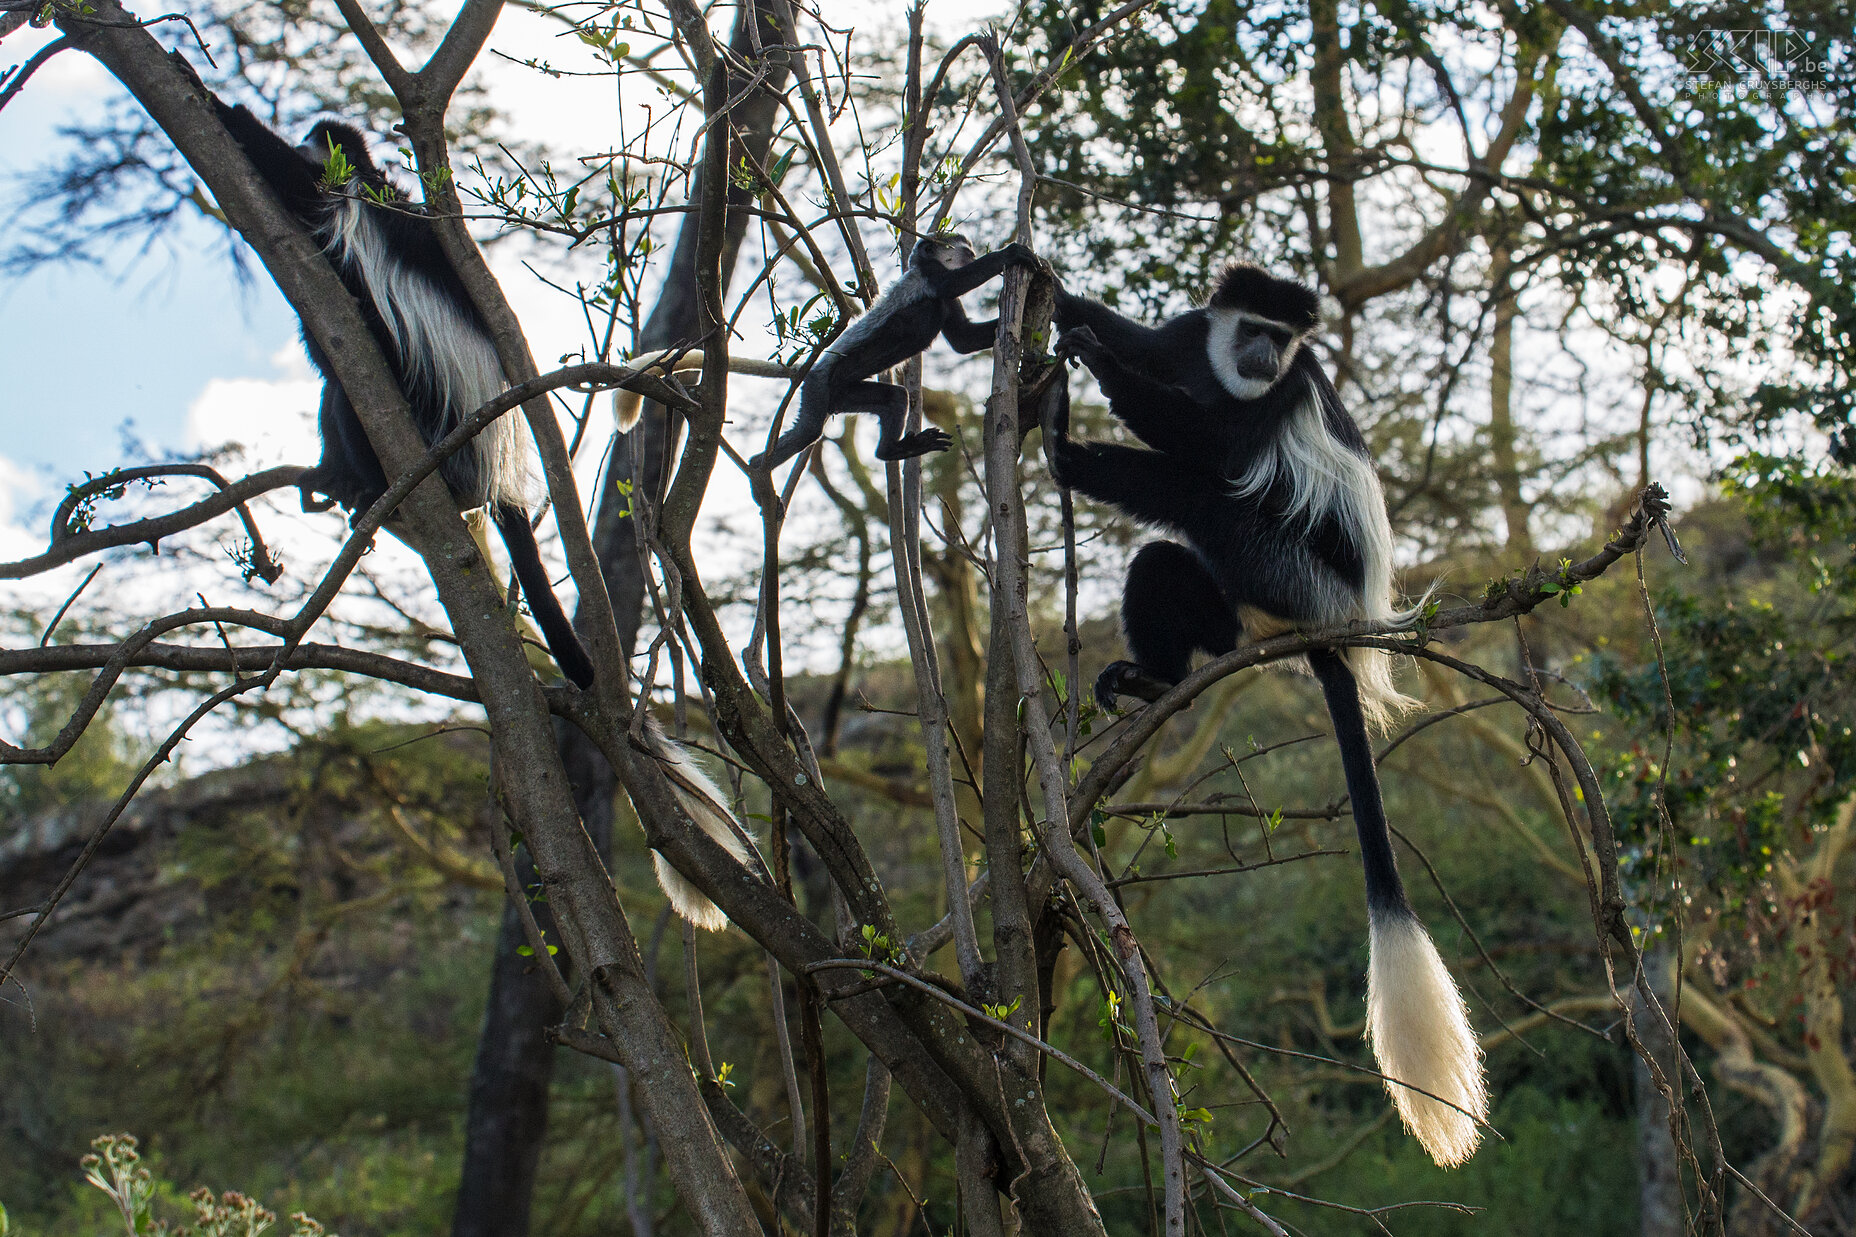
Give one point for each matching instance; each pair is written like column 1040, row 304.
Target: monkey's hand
column 1079, row 343
column 1125, row 676
column 1022, row 255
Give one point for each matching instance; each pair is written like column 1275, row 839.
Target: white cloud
column 270, row 420
column 67, row 77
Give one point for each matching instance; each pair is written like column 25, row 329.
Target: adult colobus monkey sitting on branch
column 1261, row 472
column 438, row 346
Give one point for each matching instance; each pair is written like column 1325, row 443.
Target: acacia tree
column 969, row 1052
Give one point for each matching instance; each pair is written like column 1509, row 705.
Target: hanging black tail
column 525, row 557
column 1385, row 892
column 1415, row 1017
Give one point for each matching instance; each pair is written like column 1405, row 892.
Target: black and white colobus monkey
column 441, row 352
column 439, row 348
column 1264, row 477
column 924, row 303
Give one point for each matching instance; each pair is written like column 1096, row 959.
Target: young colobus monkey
column 438, row 346
column 1264, row 477
column 924, row 303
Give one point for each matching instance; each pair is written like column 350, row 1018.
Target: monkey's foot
column 1125, row 677
column 921, row 442
column 760, row 485
column 784, row 448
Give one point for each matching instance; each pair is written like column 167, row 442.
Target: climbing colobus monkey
column 441, row 352
column 439, row 348
column 924, row 303
column 1264, row 477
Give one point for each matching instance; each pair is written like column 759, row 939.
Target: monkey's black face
column 1249, row 353
column 1260, row 350
column 951, row 250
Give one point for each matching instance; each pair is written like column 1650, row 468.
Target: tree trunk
column 1503, row 438
column 508, row 1112
column 1659, row 1169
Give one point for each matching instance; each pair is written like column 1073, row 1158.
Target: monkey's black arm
column 963, row 279
column 1147, row 485
column 963, row 334
column 286, row 169
column 1135, row 343
column 1164, row 416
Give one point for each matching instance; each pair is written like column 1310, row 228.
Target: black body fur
column 1245, row 549
column 349, row 473
column 924, row 303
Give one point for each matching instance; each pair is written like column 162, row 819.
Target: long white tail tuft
column 1380, row 700
column 708, row 807
column 1419, row 1029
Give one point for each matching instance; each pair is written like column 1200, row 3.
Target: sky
column 142, row 340
column 171, row 352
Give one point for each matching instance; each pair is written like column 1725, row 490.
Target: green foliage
column 115, row 1167
column 300, row 1016
column 878, row 947
column 1562, row 1166
column 798, row 329
column 1764, row 715
column 1003, row 1012
column 337, row 171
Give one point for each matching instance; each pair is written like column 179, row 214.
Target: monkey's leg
column 816, row 399
column 349, row 472
column 1170, row 606
column 890, row 403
